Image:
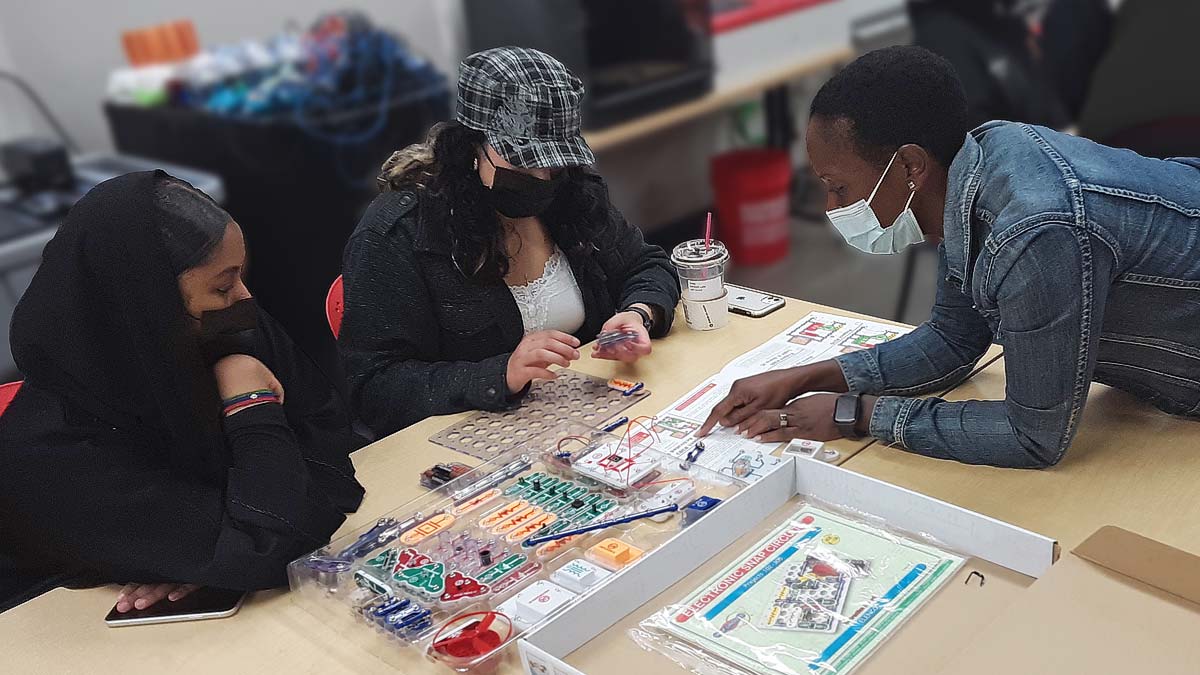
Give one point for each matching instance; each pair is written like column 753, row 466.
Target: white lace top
column 552, row 301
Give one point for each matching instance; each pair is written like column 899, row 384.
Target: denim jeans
column 1083, row 261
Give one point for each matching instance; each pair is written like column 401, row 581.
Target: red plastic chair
column 7, row 393
column 334, row 307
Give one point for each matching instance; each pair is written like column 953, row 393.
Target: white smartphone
column 200, row 604
column 753, row 303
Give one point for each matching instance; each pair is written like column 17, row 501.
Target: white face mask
column 861, row 229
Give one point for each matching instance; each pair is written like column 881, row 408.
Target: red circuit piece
column 410, row 557
column 459, row 586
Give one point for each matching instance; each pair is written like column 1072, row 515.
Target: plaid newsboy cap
column 527, row 104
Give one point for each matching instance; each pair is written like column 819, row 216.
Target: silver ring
column 783, row 420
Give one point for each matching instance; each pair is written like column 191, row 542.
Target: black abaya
column 115, row 464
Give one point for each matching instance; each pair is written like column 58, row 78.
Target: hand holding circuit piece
column 623, row 338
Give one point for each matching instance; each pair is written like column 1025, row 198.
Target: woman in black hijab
column 134, row 451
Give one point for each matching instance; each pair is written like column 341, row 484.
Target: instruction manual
column 818, row 594
column 816, row 337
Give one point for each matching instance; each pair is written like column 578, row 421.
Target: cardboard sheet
column 1119, row 603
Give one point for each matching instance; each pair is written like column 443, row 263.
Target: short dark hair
column 894, row 96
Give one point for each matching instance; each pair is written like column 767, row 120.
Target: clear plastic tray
column 456, row 576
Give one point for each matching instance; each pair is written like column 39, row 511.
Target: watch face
column 845, row 411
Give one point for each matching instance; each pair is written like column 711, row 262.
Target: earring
column 912, row 185
column 475, row 165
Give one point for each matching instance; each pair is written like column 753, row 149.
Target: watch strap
column 848, row 428
column 647, row 320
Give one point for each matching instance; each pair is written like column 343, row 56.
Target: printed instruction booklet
column 816, row 337
column 818, row 594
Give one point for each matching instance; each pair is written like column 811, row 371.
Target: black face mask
column 233, row 330
column 519, row 195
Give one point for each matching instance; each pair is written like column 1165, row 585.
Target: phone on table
column 753, row 303
column 202, row 603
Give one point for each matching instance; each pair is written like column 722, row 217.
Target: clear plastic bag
column 816, row 595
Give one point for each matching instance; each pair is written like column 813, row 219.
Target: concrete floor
column 822, row 268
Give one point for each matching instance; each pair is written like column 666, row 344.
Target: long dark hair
column 448, row 172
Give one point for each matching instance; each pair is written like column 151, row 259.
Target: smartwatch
column 845, row 415
column 647, row 320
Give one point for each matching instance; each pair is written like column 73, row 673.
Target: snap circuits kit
column 459, row 574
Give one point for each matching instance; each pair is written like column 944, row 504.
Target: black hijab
column 104, row 327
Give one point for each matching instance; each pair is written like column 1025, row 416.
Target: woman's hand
column 810, row 418
column 240, row 374
column 536, row 353
column 750, row 395
column 630, row 350
column 771, row 391
column 141, row 596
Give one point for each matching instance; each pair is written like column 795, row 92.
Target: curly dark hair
column 451, row 178
column 894, row 96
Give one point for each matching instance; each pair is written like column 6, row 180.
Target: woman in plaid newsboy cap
column 493, row 253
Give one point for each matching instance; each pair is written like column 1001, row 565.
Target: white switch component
column 616, row 465
column 675, row 493
column 679, row 491
column 579, row 575
column 814, row 449
column 535, row 603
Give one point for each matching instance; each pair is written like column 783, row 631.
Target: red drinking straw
column 708, row 231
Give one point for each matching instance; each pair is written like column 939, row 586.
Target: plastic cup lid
column 693, row 252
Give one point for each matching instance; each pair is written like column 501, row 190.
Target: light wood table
column 1130, row 465
column 388, row 468
column 63, row 632
column 722, row 97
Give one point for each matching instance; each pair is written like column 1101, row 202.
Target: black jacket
column 419, row 338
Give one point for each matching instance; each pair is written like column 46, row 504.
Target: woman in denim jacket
column 1083, row 261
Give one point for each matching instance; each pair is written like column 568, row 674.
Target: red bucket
column 753, row 203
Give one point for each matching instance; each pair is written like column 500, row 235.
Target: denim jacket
column 1083, row 261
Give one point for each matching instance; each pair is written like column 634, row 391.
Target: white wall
column 14, row 110
column 66, row 48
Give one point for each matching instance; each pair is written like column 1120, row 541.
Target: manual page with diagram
column 816, row 337
column 818, row 594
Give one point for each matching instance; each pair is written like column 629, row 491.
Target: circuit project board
column 473, row 564
column 551, row 404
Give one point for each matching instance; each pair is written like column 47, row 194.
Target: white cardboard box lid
column 960, row 530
